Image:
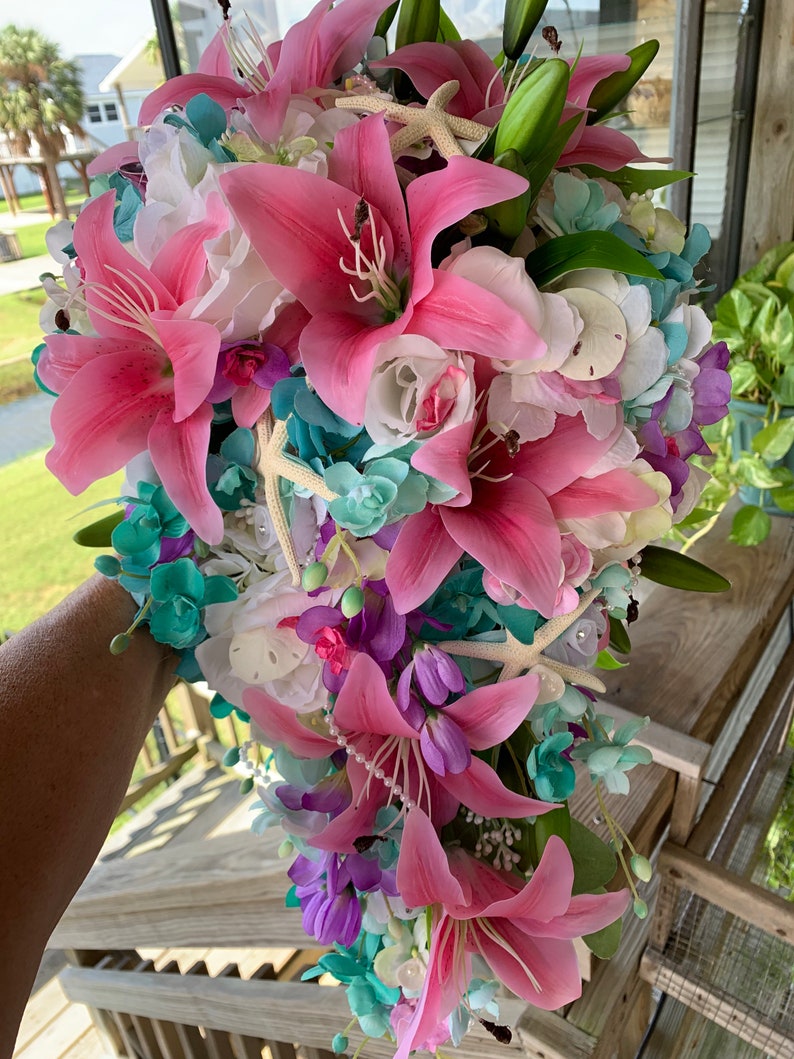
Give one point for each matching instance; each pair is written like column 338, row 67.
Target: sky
column 84, row 26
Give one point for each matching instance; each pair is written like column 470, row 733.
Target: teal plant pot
column 748, row 420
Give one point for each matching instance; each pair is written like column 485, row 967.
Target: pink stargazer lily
column 524, row 934
column 314, row 53
column 141, row 382
column 347, row 250
column 391, row 756
column 506, row 518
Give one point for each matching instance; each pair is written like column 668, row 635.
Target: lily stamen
column 373, row 272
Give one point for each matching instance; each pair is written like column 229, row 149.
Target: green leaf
column 604, row 660
column 764, row 321
column 97, row 535
column 751, row 470
column 447, row 30
column 586, row 250
column 750, row 526
column 696, row 517
column 743, row 377
column 783, row 390
column 594, row 863
column 546, row 158
column 784, row 498
column 604, row 943
column 735, row 310
column 769, row 263
column 631, row 180
column 619, row 636
column 609, row 91
column 555, row 822
column 782, row 337
column 674, row 570
column 774, row 441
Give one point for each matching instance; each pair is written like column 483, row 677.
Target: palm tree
column 41, row 98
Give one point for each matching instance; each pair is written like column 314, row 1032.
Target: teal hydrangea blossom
column 387, row 491
column 551, row 773
column 579, row 206
column 179, row 593
column 205, row 120
column 230, row 476
column 608, row 759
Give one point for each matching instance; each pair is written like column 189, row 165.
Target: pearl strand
column 376, row 772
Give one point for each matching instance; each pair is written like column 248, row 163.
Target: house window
column 111, row 112
column 94, row 113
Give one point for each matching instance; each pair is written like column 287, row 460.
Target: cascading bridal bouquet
column 400, row 357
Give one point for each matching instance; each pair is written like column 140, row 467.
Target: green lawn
column 35, row 200
column 40, row 564
column 19, row 335
column 31, row 239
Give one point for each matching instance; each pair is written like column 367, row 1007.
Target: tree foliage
column 41, row 93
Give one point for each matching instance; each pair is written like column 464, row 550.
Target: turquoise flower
column 551, row 773
column 182, row 593
column 230, row 476
column 138, row 538
column 205, row 120
column 480, row 999
column 578, row 206
column 608, row 759
column 387, row 491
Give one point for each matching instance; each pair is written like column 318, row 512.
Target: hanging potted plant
column 754, row 446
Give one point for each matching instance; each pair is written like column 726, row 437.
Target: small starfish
column 273, row 465
column 517, row 657
column 422, row 123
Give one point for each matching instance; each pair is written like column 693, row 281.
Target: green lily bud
column 533, row 111
column 508, row 218
column 641, row 867
column 521, row 17
column 417, row 21
column 386, row 19
column 314, row 576
column 352, row 602
column 608, row 93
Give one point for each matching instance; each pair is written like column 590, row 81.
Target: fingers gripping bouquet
column 400, row 357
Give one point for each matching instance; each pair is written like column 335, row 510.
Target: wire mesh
column 716, row 963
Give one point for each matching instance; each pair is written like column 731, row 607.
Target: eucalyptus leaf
column 587, row 250
column 670, row 568
column 774, row 441
column 750, row 526
column 594, row 863
column 604, row 943
column 97, row 534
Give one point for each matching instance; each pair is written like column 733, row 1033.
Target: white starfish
column 430, row 122
column 516, row 657
column 273, row 465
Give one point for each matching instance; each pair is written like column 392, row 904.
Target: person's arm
column 72, row 720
